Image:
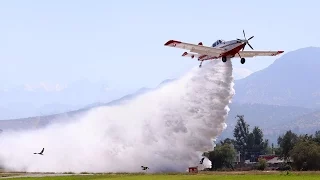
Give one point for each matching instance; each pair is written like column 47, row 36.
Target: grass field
column 199, row 176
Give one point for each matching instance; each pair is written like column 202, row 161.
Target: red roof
column 268, row 157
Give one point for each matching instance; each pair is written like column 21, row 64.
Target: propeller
column 246, row 41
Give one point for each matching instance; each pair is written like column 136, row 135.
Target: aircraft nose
column 242, row 41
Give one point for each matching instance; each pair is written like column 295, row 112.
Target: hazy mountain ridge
column 27, row 101
column 288, row 81
column 20, row 101
column 39, row 121
column 278, row 98
column 268, row 117
column 308, row 123
column 42, row 121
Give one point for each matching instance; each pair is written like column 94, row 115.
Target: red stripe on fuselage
column 233, row 51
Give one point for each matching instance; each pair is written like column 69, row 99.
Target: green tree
column 250, row 144
column 262, row 164
column 277, row 151
column 222, row 156
column 306, row 155
column 316, row 137
column 256, row 144
column 241, row 133
column 305, row 137
column 227, row 141
column 286, row 144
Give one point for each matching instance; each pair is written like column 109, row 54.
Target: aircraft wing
column 258, row 53
column 204, row 50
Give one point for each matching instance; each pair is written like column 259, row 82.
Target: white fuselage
column 228, row 45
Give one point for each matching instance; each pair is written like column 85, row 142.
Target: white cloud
column 239, row 73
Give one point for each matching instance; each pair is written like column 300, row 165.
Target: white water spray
column 164, row 130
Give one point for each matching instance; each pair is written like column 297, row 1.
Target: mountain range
column 291, row 80
column 32, row 99
column 283, row 96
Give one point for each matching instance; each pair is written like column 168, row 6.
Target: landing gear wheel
column 224, row 59
column 243, row 60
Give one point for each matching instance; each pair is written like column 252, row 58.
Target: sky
column 121, row 43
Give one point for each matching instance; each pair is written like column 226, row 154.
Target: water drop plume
column 166, row 129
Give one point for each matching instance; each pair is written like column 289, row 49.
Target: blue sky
column 121, row 42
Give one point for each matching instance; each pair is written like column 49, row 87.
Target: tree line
column 299, row 152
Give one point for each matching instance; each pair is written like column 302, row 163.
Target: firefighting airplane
column 220, row 49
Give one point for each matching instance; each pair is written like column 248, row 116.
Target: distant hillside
column 267, row 117
column 129, row 96
column 39, row 121
column 292, row 80
column 307, row 123
column 45, row 99
column 42, row 121
column 283, row 96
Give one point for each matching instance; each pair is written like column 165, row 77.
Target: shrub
column 262, row 164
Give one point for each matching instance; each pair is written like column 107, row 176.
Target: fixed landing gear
column 243, row 60
column 200, row 64
column 224, row 59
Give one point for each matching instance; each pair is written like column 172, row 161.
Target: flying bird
column 41, row 153
column 144, row 168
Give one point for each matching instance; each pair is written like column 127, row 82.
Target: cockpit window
column 216, row 43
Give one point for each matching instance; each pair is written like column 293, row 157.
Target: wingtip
column 279, row 52
column 171, row 42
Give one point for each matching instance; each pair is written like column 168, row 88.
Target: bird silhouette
column 144, row 168
column 41, row 153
